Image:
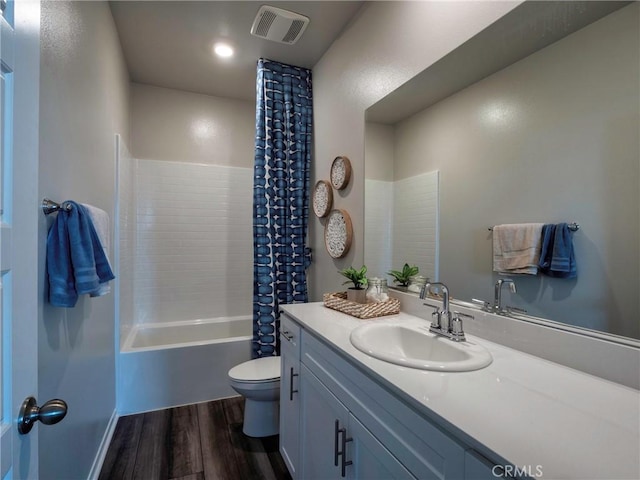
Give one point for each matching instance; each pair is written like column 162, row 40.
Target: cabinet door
column 320, row 440
column 369, row 459
column 478, row 467
column 290, row 408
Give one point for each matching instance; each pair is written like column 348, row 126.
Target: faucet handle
column 436, row 308
column 456, row 326
column 457, row 332
column 515, row 310
column 486, row 306
column 435, row 322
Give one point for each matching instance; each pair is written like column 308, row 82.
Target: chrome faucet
column 442, row 321
column 497, row 307
column 497, row 298
column 442, row 316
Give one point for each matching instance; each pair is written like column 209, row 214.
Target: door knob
column 50, row 413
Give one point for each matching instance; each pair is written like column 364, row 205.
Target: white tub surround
column 551, row 420
column 156, row 336
column 194, row 241
column 176, row 363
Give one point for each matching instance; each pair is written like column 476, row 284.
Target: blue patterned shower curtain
column 284, row 113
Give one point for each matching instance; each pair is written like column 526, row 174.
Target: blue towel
column 557, row 257
column 546, row 251
column 76, row 262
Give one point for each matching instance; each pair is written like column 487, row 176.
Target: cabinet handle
column 291, row 390
column 336, row 451
column 345, row 463
column 287, row 335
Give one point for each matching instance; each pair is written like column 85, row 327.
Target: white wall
column 193, row 189
column 386, row 45
column 552, row 138
column 84, row 90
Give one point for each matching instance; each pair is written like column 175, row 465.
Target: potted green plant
column 359, row 279
column 402, row 277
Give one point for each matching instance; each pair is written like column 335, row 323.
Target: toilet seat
column 259, row 370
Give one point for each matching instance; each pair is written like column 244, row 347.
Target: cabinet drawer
column 422, row 447
column 290, row 334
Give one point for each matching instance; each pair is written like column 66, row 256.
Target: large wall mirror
column 536, row 119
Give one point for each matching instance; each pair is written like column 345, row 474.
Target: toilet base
column 261, row 418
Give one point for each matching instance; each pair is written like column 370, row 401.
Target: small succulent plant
column 402, row 277
column 357, row 277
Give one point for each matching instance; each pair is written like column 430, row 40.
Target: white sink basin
column 414, row 346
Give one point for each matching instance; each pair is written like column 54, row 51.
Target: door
column 290, row 407
column 20, row 58
column 323, row 419
column 368, row 458
column 334, row 444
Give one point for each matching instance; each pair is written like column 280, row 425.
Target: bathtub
column 164, row 365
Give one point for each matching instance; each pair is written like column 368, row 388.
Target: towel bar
column 49, row 206
column 573, row 226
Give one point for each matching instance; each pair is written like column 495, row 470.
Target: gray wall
column 551, row 138
column 179, row 126
column 84, row 91
column 379, row 148
column 386, row 45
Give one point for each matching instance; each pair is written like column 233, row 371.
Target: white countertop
column 527, row 410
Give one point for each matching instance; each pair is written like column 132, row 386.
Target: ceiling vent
column 279, row 25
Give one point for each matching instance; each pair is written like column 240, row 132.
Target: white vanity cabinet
column 349, row 426
column 335, row 444
column 290, row 395
column 507, row 420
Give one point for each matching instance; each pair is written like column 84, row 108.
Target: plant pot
column 400, row 288
column 356, row 295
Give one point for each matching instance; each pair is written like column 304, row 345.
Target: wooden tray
column 338, row 301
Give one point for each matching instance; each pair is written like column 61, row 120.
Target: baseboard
column 94, row 473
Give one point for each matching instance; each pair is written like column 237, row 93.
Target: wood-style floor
column 194, row 442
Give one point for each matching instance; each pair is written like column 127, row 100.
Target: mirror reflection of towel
column 516, row 248
column 557, row 257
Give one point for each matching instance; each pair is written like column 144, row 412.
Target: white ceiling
column 169, row 44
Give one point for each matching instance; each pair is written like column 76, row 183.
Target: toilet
column 258, row 381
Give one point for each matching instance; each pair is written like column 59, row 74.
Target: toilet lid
column 265, row 368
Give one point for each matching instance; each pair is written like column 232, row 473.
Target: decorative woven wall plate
column 340, row 172
column 322, row 198
column 338, row 233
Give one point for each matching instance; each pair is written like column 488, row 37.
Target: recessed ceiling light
column 223, row 50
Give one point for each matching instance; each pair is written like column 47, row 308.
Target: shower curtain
column 284, row 113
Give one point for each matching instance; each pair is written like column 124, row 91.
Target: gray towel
column 516, row 248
